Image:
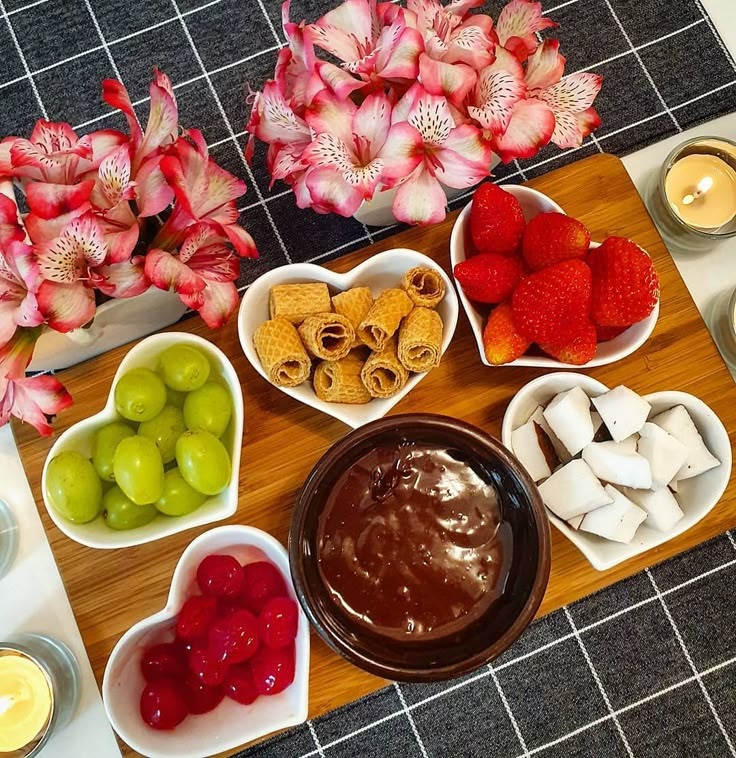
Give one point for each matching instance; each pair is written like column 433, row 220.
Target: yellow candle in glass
column 701, row 189
column 25, row 702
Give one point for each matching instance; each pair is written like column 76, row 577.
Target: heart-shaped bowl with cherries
column 80, row 438
column 696, row 496
column 230, row 724
column 380, row 272
column 532, row 204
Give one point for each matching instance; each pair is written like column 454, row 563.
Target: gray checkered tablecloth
column 645, row 668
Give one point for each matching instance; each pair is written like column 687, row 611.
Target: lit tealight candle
column 25, row 702
column 701, row 190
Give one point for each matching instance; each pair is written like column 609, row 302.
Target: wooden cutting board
column 111, row 590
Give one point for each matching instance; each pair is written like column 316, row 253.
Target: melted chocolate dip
column 412, row 541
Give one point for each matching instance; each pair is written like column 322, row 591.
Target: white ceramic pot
column 379, row 210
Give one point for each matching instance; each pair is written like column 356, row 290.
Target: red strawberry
column 501, row 340
column 577, row 350
column 553, row 237
column 549, row 304
column 605, row 333
column 496, row 220
column 625, row 284
column 488, row 277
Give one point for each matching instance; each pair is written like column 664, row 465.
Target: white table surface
column 32, row 595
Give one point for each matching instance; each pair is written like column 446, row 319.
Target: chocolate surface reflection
column 412, row 540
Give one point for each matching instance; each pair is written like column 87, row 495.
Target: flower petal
column 546, row 66
column 401, row 153
column 215, row 303
column 574, row 93
column 273, row 120
column 217, row 263
column 103, row 142
column 152, row 192
column 167, row 272
column 530, row 128
column 163, row 119
column 65, row 306
column 499, row 89
column 345, row 31
column 431, row 117
column 399, row 49
column 420, row 200
column 50, row 201
column 339, row 81
column 471, row 45
column 243, row 243
column 465, row 158
column 126, row 279
column 16, row 354
column 66, row 258
column 373, row 121
column 222, row 188
column 116, row 96
column 35, row 398
column 517, row 25
column 10, row 228
column 328, row 114
column 330, row 193
column 45, row 230
column 452, row 81
column 113, row 179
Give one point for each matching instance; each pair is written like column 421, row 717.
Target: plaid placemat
column 664, row 68
column 644, row 669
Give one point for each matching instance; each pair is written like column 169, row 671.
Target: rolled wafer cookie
column 383, row 319
column 295, row 302
column 340, row 382
column 328, row 336
column 383, row 375
column 282, row 353
column 424, row 286
column 354, row 304
column 420, row 340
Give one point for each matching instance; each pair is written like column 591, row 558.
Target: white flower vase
column 115, row 323
column 378, row 211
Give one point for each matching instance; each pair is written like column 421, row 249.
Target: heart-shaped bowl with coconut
column 380, row 272
column 532, row 204
column 669, row 461
column 230, row 724
column 80, row 438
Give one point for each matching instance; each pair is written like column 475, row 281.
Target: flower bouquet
column 109, row 215
column 423, row 97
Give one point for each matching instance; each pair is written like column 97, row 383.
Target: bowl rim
column 492, row 650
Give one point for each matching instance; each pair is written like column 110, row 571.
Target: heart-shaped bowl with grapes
column 230, row 724
column 80, row 438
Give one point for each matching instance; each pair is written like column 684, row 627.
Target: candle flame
column 6, row 703
column 700, row 189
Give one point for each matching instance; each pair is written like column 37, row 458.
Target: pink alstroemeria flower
column 352, row 33
column 453, row 35
column 34, row 399
column 347, row 157
column 457, row 156
column 517, row 26
column 19, row 276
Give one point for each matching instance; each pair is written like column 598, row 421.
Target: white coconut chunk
column 573, row 490
column 665, row 454
column 569, row 416
column 618, row 465
column 575, row 521
column 623, row 411
column 595, row 417
column 663, row 510
column 673, row 485
column 617, row 521
column 677, row 422
column 527, row 448
column 625, row 446
column 538, row 418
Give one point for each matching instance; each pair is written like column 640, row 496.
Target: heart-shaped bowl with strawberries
column 80, row 437
column 696, row 496
column 532, row 204
column 230, row 724
column 380, row 272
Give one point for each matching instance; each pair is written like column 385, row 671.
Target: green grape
column 184, row 368
column 164, row 430
column 178, row 498
column 73, row 487
column 208, row 408
column 139, row 470
column 203, row 461
column 139, row 395
column 175, row 398
column 103, row 447
column 121, row 513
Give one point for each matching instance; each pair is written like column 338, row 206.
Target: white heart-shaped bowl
column 230, row 724
column 79, row 437
column 532, row 204
column 380, row 272
column 697, row 496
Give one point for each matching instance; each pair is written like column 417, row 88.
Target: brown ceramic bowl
column 482, row 639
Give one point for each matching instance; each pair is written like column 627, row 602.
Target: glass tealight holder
column 39, row 692
column 8, row 538
column 693, row 200
column 723, row 325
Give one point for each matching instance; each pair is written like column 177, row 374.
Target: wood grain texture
column 111, row 590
